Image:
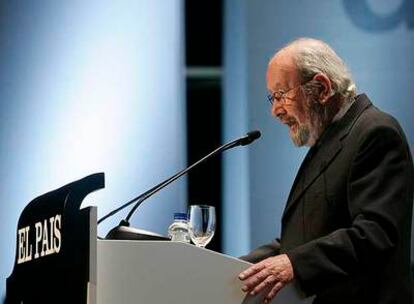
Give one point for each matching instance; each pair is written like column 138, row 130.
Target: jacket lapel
column 324, row 152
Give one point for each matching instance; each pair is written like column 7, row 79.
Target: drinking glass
column 201, row 224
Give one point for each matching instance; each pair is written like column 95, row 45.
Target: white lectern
column 59, row 260
column 157, row 272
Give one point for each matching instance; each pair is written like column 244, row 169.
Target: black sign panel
column 56, row 247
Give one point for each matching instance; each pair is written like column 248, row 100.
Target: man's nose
column 278, row 110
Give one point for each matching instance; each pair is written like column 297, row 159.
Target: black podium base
column 129, row 233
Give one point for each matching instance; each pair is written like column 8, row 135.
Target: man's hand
column 274, row 272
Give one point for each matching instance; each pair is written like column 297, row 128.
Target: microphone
column 250, row 137
column 124, row 232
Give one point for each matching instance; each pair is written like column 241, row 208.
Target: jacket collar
column 321, row 155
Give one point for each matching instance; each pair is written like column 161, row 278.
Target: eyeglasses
column 280, row 95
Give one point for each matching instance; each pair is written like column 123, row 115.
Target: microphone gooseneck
column 245, row 140
column 152, row 191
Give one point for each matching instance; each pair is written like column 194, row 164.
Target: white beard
column 307, row 133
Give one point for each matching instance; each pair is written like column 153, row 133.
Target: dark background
column 203, row 36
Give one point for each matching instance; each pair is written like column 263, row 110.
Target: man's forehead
column 280, row 74
column 281, row 68
column 283, row 58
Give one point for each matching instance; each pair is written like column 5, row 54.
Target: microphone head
column 250, row 137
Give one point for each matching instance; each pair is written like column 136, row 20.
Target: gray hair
column 312, row 56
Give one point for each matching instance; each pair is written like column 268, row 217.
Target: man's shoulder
column 373, row 119
column 376, row 125
column 367, row 123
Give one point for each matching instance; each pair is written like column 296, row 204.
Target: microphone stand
column 124, row 232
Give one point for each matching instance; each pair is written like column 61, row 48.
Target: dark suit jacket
column 346, row 226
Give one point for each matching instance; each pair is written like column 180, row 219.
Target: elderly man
column 346, row 225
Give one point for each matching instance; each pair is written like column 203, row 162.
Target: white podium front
column 158, row 272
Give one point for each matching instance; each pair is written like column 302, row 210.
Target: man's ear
column 325, row 87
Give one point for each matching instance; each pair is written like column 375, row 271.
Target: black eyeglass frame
column 280, row 95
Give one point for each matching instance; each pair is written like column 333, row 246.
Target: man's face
column 293, row 109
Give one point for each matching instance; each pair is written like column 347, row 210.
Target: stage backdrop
column 85, row 87
column 376, row 40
